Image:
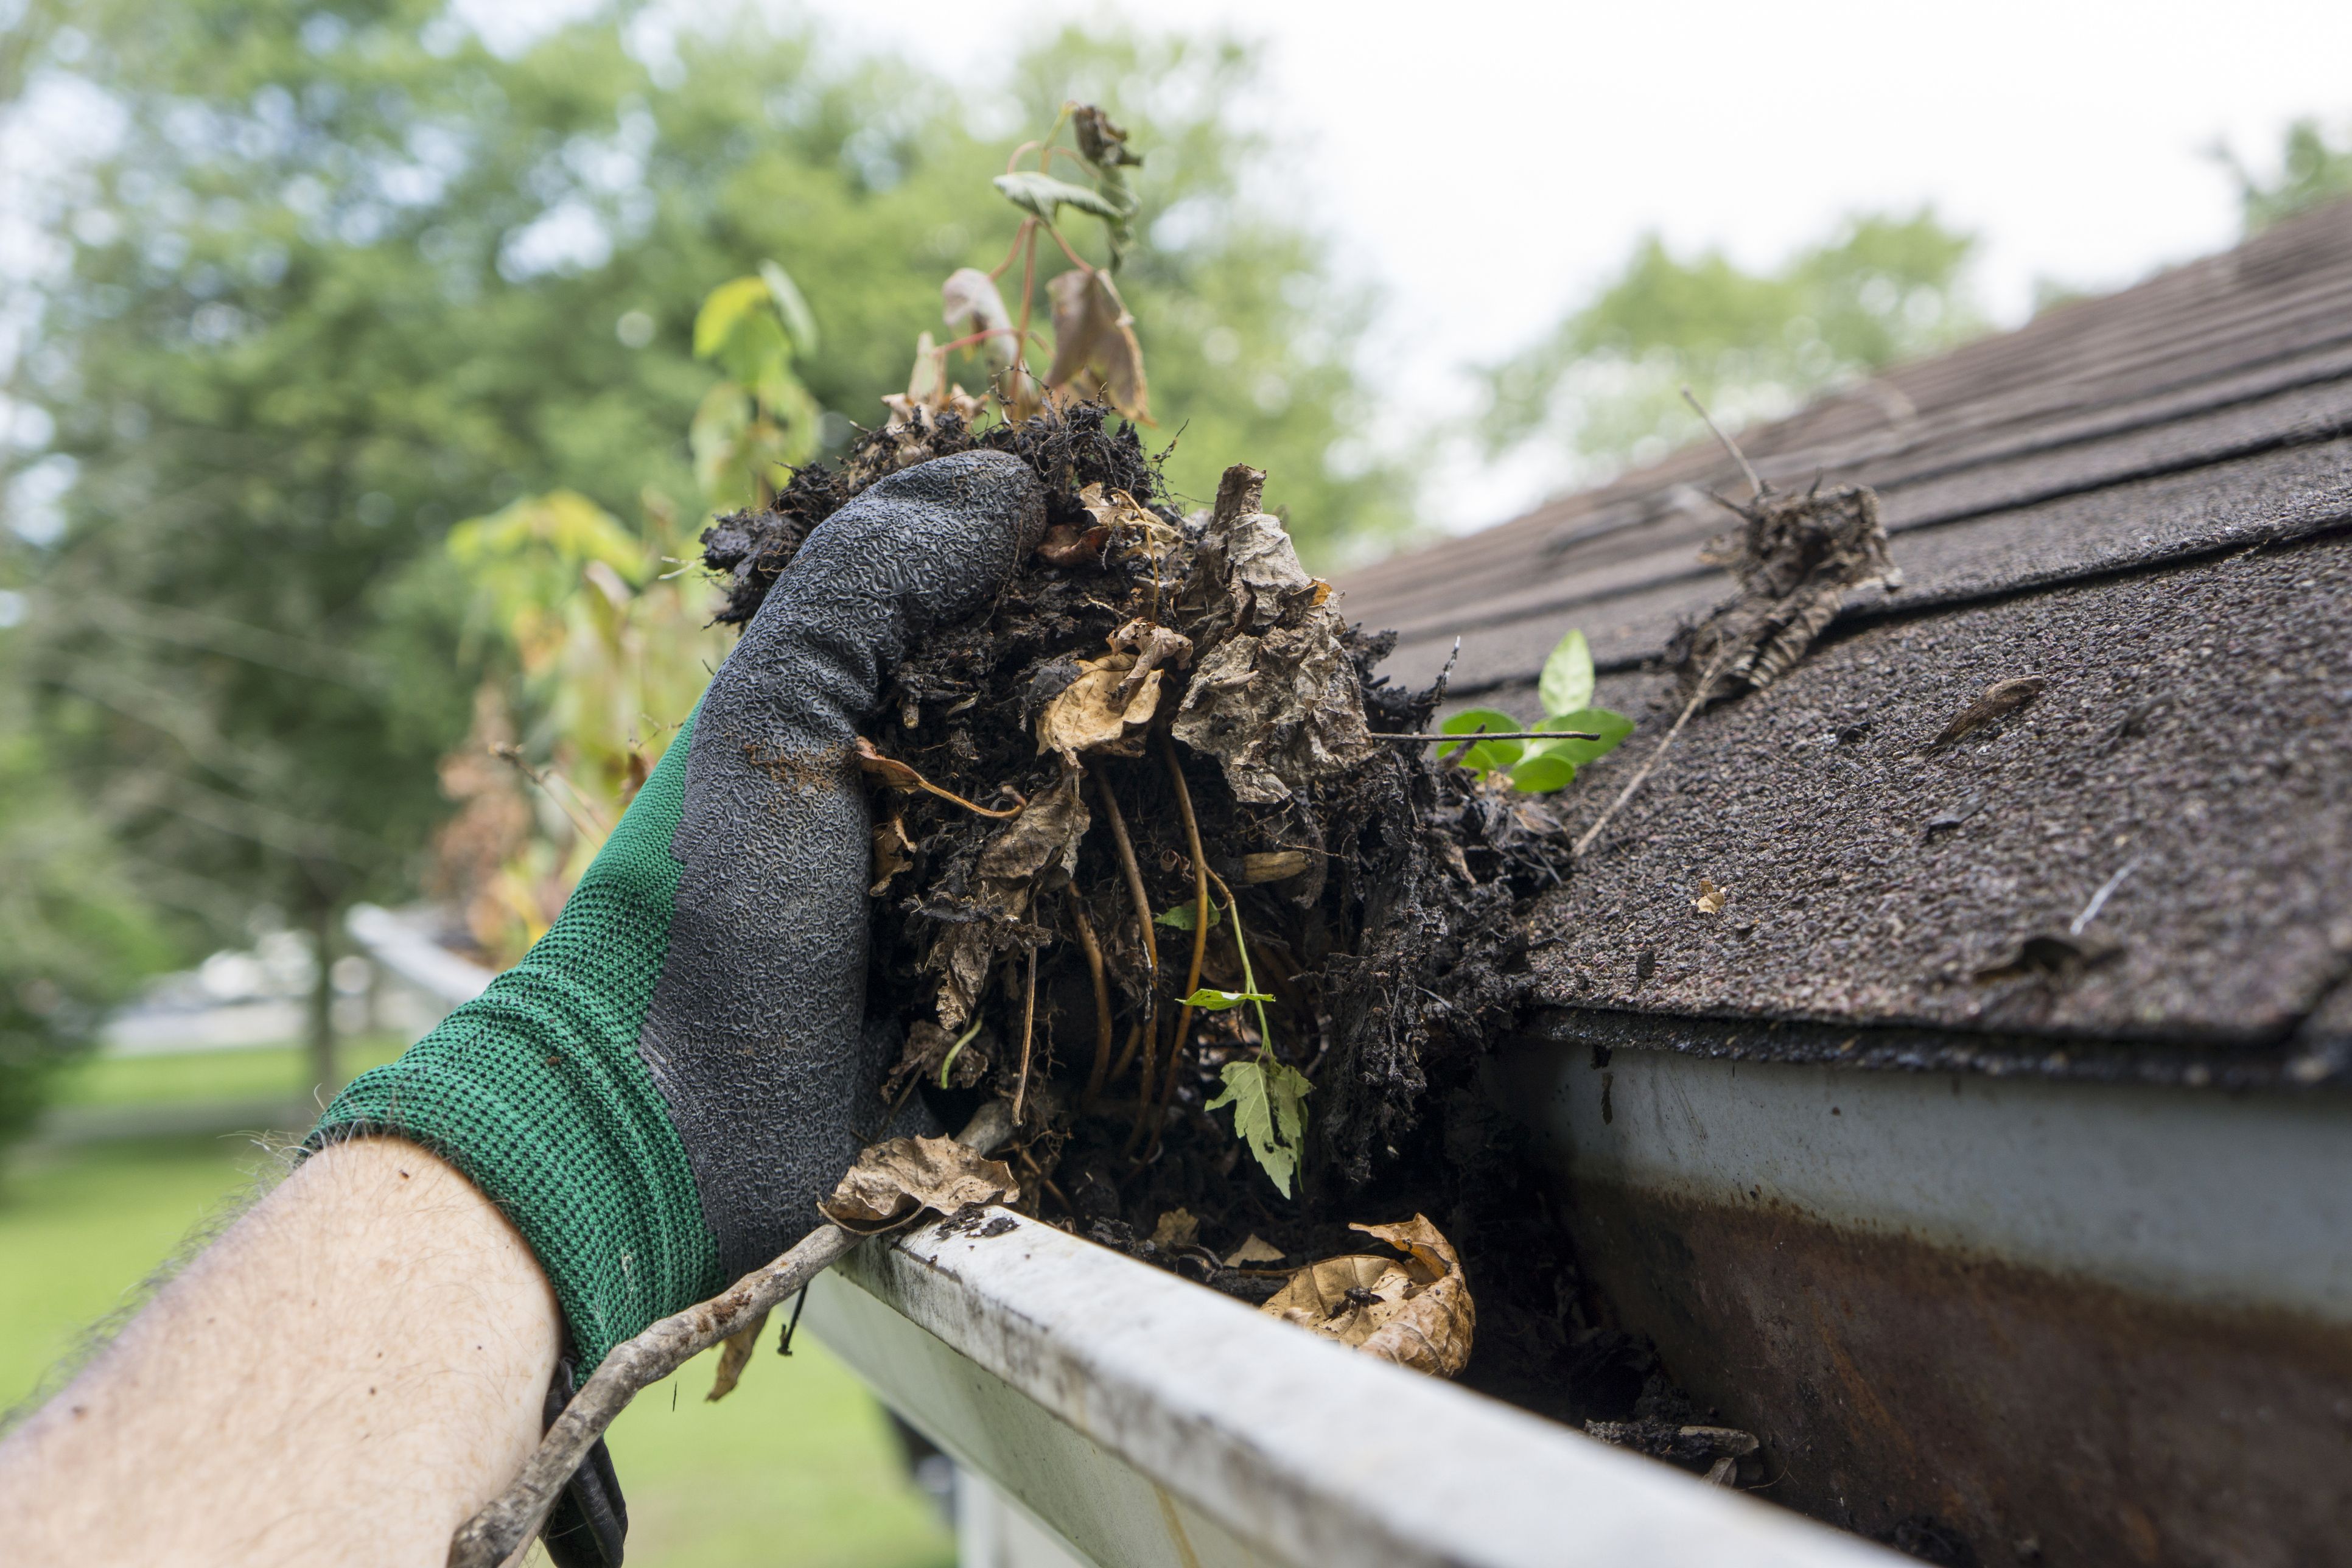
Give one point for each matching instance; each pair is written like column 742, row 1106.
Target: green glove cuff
column 535, row 1090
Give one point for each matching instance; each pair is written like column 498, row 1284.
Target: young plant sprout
column 1541, row 766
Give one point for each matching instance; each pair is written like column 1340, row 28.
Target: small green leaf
column 1041, row 193
column 1543, row 773
column 1269, row 1101
column 1486, row 755
column 1613, row 729
column 1209, row 1000
column 723, row 309
column 794, row 309
column 1183, row 917
column 1567, row 682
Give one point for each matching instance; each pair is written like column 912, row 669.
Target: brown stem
column 1126, row 1052
column 1200, row 950
column 1134, row 891
column 1021, row 334
column 1093, row 949
column 512, row 1518
column 1028, row 1026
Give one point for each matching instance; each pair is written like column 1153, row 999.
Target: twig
column 568, row 800
column 515, row 1515
column 1093, row 949
column 1706, row 687
column 1028, row 1026
column 1472, row 737
column 1199, row 951
column 1728, row 444
column 2099, row 899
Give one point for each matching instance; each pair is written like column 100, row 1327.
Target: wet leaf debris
column 1142, row 868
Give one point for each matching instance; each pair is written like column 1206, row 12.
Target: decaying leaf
column 1091, row 714
column 1273, row 865
column 1797, row 558
column 1094, row 342
column 896, row 1180
column 1680, row 1444
column 969, row 302
column 1068, row 545
column 1177, row 1228
column 1417, row 1312
column 1046, row 832
column 1999, row 698
column 734, row 1356
column 1120, row 512
column 892, row 852
column 1275, row 699
column 1256, row 1249
column 1711, row 898
column 2053, row 952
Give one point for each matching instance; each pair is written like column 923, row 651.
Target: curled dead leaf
column 897, row 1180
column 734, row 1357
column 1417, row 1312
column 1101, row 710
column 1273, row 865
column 1256, row 1249
column 1997, row 701
column 892, row 852
column 1065, row 545
column 1711, row 898
column 1094, row 341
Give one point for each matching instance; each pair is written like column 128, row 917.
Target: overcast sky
column 2071, row 136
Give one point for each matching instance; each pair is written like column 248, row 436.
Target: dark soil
column 1397, row 957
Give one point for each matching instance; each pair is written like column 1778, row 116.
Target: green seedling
column 1539, row 767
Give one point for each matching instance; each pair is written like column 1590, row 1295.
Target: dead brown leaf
column 891, row 852
column 1273, row 697
column 1094, row 341
column 1273, row 865
column 2002, row 697
column 1177, row 1228
column 1046, row 832
column 897, row 1180
column 1417, row 1313
column 1101, row 710
column 1256, row 1249
column 1798, row 557
column 734, row 1357
column 1711, row 898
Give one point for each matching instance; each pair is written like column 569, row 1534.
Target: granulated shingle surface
column 2146, row 501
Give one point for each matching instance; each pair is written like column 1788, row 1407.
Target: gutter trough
column 1999, row 1319
column 1139, row 1420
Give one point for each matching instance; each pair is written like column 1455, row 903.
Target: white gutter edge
column 1303, row 1451
column 400, row 946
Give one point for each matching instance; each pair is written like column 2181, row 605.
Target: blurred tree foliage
column 2313, row 171
column 327, row 277
column 1605, row 384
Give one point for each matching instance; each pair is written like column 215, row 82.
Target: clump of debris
column 1149, row 865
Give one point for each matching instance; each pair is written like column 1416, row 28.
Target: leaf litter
column 1366, row 905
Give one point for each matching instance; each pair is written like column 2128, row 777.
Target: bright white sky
column 1485, row 161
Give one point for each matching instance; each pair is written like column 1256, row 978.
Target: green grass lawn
column 796, row 1469
column 258, row 1072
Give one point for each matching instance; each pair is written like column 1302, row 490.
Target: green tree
column 2313, row 172
column 1605, row 382
column 332, row 277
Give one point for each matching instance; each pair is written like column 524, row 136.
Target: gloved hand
column 660, row 1093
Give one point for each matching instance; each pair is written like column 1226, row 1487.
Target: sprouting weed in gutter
column 1543, row 766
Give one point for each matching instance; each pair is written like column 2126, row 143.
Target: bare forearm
column 345, row 1376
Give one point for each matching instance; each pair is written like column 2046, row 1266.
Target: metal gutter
column 2049, row 1320
column 1142, row 1420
